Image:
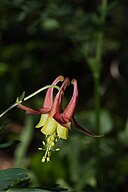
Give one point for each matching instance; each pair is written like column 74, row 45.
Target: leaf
column 11, row 177
column 50, row 24
column 21, row 97
column 26, row 190
column 123, row 135
column 8, row 144
column 3, row 68
column 1, row 127
column 56, row 188
column 88, row 119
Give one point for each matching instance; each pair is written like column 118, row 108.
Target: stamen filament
column 49, row 146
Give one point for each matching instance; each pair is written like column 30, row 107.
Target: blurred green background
column 40, row 40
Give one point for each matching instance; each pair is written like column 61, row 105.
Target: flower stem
column 98, row 59
column 28, row 97
column 97, row 124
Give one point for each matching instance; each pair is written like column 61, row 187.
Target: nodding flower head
column 55, row 123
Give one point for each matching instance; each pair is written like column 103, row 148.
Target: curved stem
column 29, row 97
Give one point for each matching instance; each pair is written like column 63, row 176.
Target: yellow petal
column 42, row 120
column 49, row 127
column 62, row 131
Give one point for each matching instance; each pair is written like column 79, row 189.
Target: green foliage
column 25, row 138
column 21, row 96
column 27, row 190
column 49, row 172
column 15, row 179
column 8, row 144
column 12, row 177
column 123, row 135
column 42, row 39
column 106, row 123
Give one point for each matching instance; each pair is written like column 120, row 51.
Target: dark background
column 40, row 40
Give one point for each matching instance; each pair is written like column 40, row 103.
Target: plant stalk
column 99, row 53
column 28, row 97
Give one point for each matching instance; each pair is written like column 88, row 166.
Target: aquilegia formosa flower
column 56, row 123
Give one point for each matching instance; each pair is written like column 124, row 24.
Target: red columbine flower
column 67, row 116
column 54, row 122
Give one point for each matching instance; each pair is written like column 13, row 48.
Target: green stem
column 99, row 48
column 99, row 53
column 28, row 97
column 97, row 123
column 25, row 138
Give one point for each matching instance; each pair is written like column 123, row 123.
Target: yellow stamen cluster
column 53, row 131
column 48, row 146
